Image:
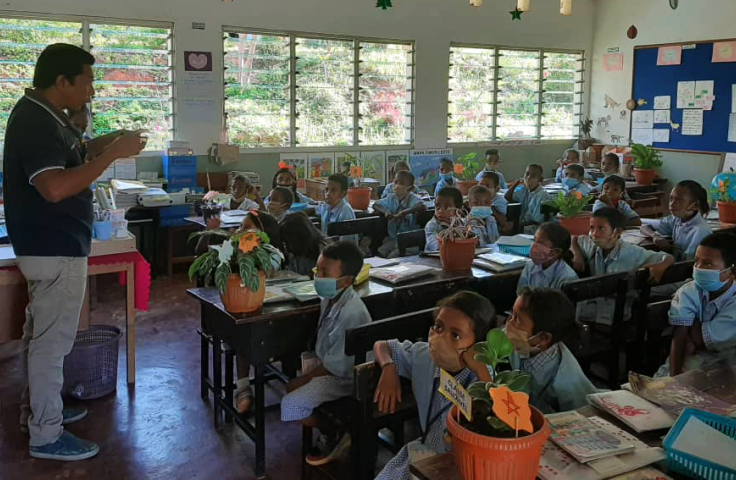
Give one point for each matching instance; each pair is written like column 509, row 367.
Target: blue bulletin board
column 651, row 80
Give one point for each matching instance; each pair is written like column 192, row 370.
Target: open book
column 584, row 439
column 631, row 409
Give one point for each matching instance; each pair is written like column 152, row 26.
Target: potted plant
column 487, row 446
column 723, row 192
column 571, row 213
column 238, row 267
column 646, row 162
column 359, row 196
column 457, row 242
column 585, row 141
column 466, row 168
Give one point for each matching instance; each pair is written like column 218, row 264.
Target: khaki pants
column 56, row 287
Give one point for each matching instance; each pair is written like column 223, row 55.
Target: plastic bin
column 103, row 230
column 690, row 465
column 91, row 369
column 179, row 160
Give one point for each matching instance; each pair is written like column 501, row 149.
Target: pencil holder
column 103, row 230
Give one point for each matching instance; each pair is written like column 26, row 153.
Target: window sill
column 514, row 143
column 371, row 148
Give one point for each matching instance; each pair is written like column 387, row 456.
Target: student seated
column 398, row 167
column 610, row 164
column 602, row 252
column 573, row 181
column 447, row 175
column 530, row 194
column 303, row 243
column 572, row 157
column 551, row 259
column 540, row 322
column 285, row 177
column 341, row 309
column 336, row 208
column 703, row 312
column 500, row 206
column 461, row 320
column 447, row 202
column 612, row 195
column 481, row 214
column 492, row 160
column 243, row 195
column 686, row 225
column 399, row 208
column 281, row 200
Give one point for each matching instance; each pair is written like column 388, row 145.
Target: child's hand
column 399, row 215
column 388, row 391
column 656, row 272
column 210, row 195
column 390, row 216
column 214, row 223
column 661, row 242
column 606, row 199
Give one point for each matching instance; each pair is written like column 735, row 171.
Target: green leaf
column 499, row 343
column 221, row 273
column 515, row 380
column 497, row 424
column 478, row 390
column 480, row 347
column 194, row 267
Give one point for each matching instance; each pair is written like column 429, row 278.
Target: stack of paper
column 583, row 439
column 285, row 276
column 632, row 410
column 378, row 262
column 401, row 273
column 127, row 186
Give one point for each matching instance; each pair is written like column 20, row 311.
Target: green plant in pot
column 487, row 444
column 466, row 168
column 457, row 242
column 571, row 211
column 646, row 162
column 585, row 141
column 359, row 196
column 238, row 268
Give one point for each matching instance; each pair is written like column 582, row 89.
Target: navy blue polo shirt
column 39, row 138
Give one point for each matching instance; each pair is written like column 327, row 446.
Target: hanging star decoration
column 384, row 4
column 512, row 408
column 516, row 14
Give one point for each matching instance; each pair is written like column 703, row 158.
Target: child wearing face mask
column 460, row 321
column 573, row 181
column 551, row 259
column 336, row 208
column 447, row 202
column 492, row 160
column 540, row 321
column 399, row 208
column 285, row 177
column 686, row 225
column 481, row 215
column 703, row 312
column 613, row 192
column 447, row 175
column 602, row 252
column 531, row 195
column 281, row 201
column 571, row 157
column 500, row 206
column 341, row 309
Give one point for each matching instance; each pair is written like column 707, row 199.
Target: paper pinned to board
column 662, row 102
column 692, row 122
column 645, row 136
column 661, row 135
column 662, row 116
column 732, row 127
column 642, row 119
column 729, row 163
column 685, row 94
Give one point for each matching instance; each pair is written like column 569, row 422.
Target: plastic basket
column 91, row 369
column 515, row 250
column 690, row 465
column 174, row 171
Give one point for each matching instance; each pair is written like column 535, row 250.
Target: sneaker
column 244, row 400
column 68, row 415
column 337, row 450
column 67, row 448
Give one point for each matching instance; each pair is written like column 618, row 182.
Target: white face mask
column 520, row 340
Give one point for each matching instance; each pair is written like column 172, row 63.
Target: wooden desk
column 282, row 330
column 632, row 235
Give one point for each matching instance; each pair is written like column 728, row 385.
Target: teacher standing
column 48, row 208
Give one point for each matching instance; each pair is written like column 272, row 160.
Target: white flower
column 224, row 251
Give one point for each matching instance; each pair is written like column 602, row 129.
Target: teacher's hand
column 127, row 145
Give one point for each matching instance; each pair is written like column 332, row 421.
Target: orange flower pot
column 727, row 212
column 359, row 197
column 465, row 185
column 237, row 299
column 645, row 176
column 479, row 457
column 457, row 255
column 578, row 225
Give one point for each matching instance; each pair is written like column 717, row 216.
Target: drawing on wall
column 320, row 165
column 611, row 103
column 724, row 52
column 374, row 165
column 671, row 55
column 425, row 165
column 615, row 139
column 298, row 163
column 392, row 158
column 641, row 102
column 622, row 114
column 604, row 122
column 613, row 62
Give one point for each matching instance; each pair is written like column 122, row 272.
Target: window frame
column 293, row 84
column 85, row 35
column 538, row 138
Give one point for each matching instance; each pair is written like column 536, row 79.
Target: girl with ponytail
column 551, row 265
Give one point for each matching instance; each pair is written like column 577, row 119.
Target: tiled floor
column 159, row 429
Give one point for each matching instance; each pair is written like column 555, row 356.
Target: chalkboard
column 651, row 80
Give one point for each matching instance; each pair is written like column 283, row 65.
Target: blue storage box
column 179, row 161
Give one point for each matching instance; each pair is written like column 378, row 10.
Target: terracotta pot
column 645, row 176
column 359, row 197
column 578, row 225
column 237, row 299
column 727, row 212
column 479, row 457
column 457, row 255
column 465, row 185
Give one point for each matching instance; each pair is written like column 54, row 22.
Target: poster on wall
column 662, row 102
column 321, row 165
column 662, row 116
column 297, row 162
column 692, row 122
column 724, row 52
column 392, row 158
column 425, row 165
column 613, row 62
column 343, row 160
column 642, row 119
column 374, row 165
column 669, row 55
column 685, row 94
column 645, row 136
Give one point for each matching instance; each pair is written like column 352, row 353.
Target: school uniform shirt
column 341, row 212
column 622, row 207
column 414, row 362
column 501, row 181
column 685, row 235
column 486, row 229
column 431, row 229
column 581, row 187
column 717, row 322
column 554, row 276
column 558, row 382
column 444, row 183
column 531, row 206
column 389, row 189
column 392, row 204
column 500, row 204
column 560, row 175
column 347, row 312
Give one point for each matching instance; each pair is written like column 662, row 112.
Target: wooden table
column 633, row 235
column 282, row 330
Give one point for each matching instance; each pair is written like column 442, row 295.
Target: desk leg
column 217, row 378
column 130, row 318
column 260, row 414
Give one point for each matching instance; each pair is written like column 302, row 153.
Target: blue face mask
column 481, row 212
column 326, row 287
column 446, row 176
column 708, row 280
column 571, row 182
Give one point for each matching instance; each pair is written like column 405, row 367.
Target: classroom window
column 287, row 90
column 504, row 93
